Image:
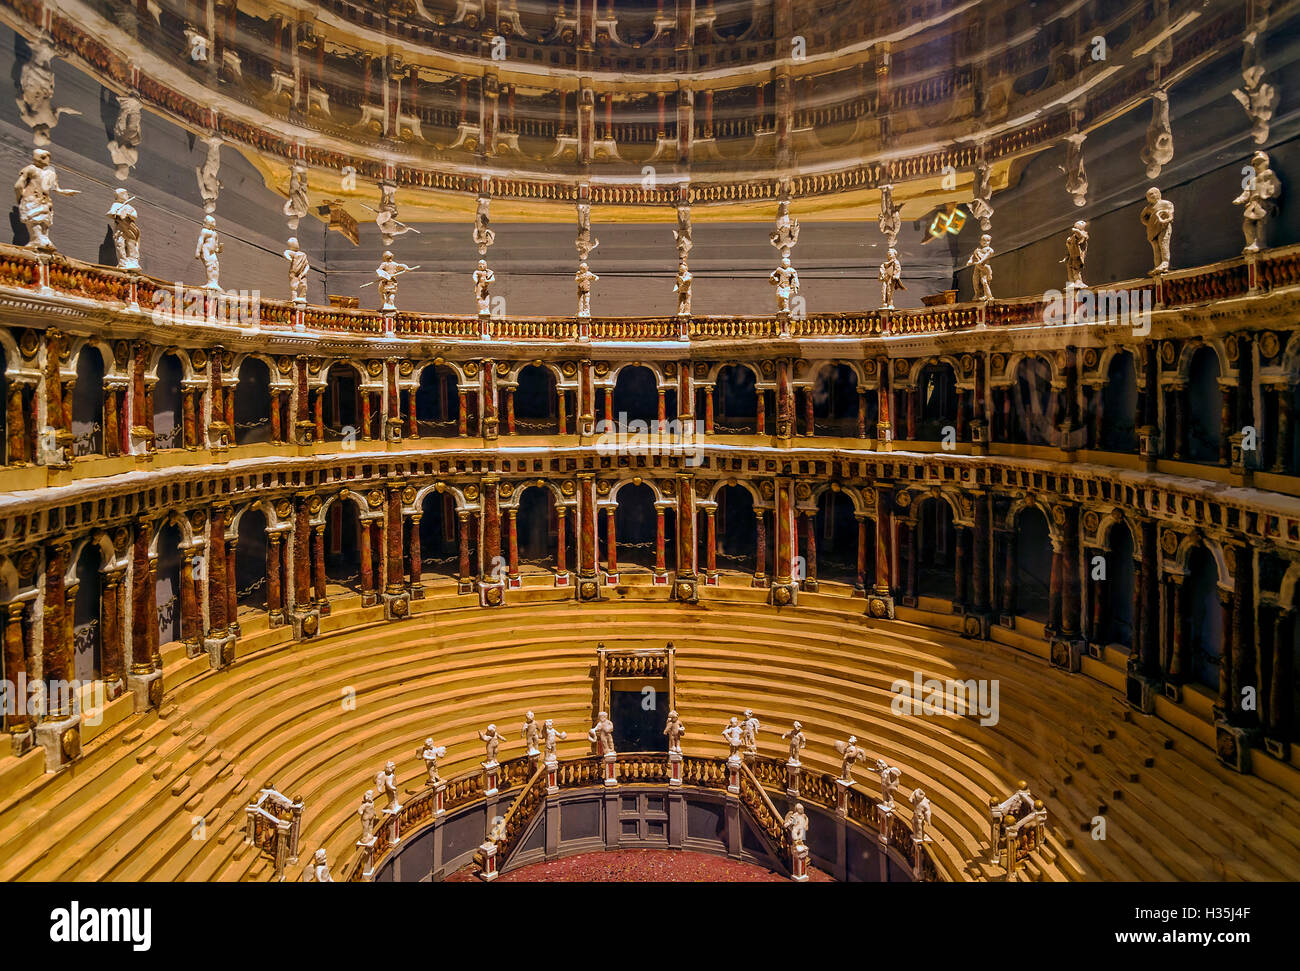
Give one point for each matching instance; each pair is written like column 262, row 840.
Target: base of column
column 588, row 588
column 1067, row 654
column 397, row 606
column 1233, row 745
column 686, row 590
column 305, row 433
column 809, row 585
column 369, row 598
column 394, row 430
column 61, row 739
column 711, row 579
column 491, row 594
column 1140, row 692
column 564, row 579
column 1279, row 748
column 275, row 618
column 1148, row 446
column 608, row 579
column 193, row 647
column 306, row 623
column 659, row 578
column 760, row 580
column 147, row 687
column 783, row 594
column 22, row 741
column 221, row 650
column 975, row 626
column 514, row 582
column 880, row 606
column 417, row 591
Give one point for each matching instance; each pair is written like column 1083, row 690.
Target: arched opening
column 343, row 403
column 87, row 634
column 936, row 388
column 737, row 530
column 437, row 402
column 835, row 401
column 343, row 548
column 1204, row 628
column 88, row 404
column 168, row 417
column 936, row 550
column 837, row 538
column 1119, row 405
column 167, row 592
column 538, row 528
column 636, row 396
column 736, row 405
column 253, row 402
column 250, row 562
column 1032, row 419
column 1204, row 406
column 635, row 527
column 1033, row 565
column 1117, row 622
column 535, row 402
column 439, row 536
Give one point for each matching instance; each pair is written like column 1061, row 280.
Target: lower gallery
column 906, row 491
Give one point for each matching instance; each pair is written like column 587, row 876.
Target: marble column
column 611, row 555
column 587, row 553
column 393, row 543
column 760, row 551
column 56, row 648
column 688, row 552
column 561, row 539
column 491, row 555
column 112, row 633
column 274, row 602
column 463, row 532
column 1243, row 633
column 218, row 606
column 319, row 581
column 15, row 663
column 15, row 428
column 512, row 542
column 415, row 557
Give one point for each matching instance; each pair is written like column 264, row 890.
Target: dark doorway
column 639, row 712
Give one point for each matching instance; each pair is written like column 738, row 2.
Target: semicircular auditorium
column 906, row 490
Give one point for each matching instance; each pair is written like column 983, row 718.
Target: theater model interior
column 896, row 482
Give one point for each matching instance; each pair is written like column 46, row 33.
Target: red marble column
column 415, row 558
column 15, row 428
column 810, row 526
column 111, row 434
column 861, row 583
column 610, row 418
column 961, row 570
column 708, row 409
column 562, row 539
column 393, row 533
column 761, row 424
column 56, row 651
column 862, row 413
column 318, row 415
column 510, row 411
column 274, row 603
column 232, row 592
column 15, row 658
column 687, row 544
column 981, row 584
column 785, row 537
column 302, row 553
column 412, row 423
column 491, row 527
column 112, row 646
column 1242, row 661
column 319, row 581
column 663, row 408
column 191, row 598
column 367, row 420
column 277, row 431
column 884, row 550
column 760, row 551
column 512, row 541
column 1070, row 586
column 463, row 531
column 489, row 419
column 367, row 566
column 587, row 554
column 218, row 606
column 810, row 425
column 142, row 620
column 711, row 540
column 462, row 414
column 611, row 556
column 660, row 566
column 190, row 429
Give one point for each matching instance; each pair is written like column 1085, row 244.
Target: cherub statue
column 493, row 739
column 798, row 741
column 124, row 146
column 1076, row 254
column 849, row 754
column 299, row 268
column 889, row 776
column 207, row 251
column 585, row 278
column 890, row 219
column 796, row 821
column 368, row 816
column 531, row 733
column 1076, row 179
column 1158, row 218
column 683, row 290
column 297, row 206
column 1258, row 197
column 126, row 231
column 209, row 184
column 483, row 280
column 36, row 92
column 734, row 735
column 550, row 735
column 1159, row 149
column 387, row 273
column 34, row 192
column 386, row 783
column 891, row 279
column 319, row 871
column 602, row 733
column 1259, row 100
column 483, row 232
column 982, row 276
column 786, row 234
column 920, row 815
column 749, row 728
column 674, row 730
column 786, row 280
column 431, row 753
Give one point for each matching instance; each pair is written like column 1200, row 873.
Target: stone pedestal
column 1067, row 654
column 552, row 777
column 390, row 821
column 439, row 799
column 842, row 789
column 880, row 605
column 611, row 769
column 1141, row 691
column 306, row 623
column 783, row 594
column 885, row 821
column 733, row 775
column 22, row 741
column 799, row 863
column 975, row 626
column 674, row 768
column 397, row 606
column 61, row 739
column 1233, row 745
column 147, row 688
column 367, row 848
column 221, row 650
column 491, row 773
column 686, row 590
column 488, row 862
column 792, row 770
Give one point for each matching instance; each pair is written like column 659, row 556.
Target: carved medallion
column 781, row 596
column 471, row 492
column 470, row 368
column 375, row 499
column 405, row 368
column 568, row 369
column 408, row 495
column 399, row 607
column 284, row 364
column 567, row 487
column 503, row 368
column 1168, row 352
column 375, row 368
column 29, row 343
column 1169, row 542
column 310, row 624
column 1090, row 358
column 901, row 367
column 199, row 358
column 1090, row 522
column 602, row 487
column 70, row 742
column 155, row 693
column 903, row 499
column 1058, row 515
column 1268, row 344
column 492, row 596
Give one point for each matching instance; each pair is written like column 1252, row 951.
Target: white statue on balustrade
column 890, row 219
column 786, row 234
column 34, row 192
column 734, row 734
column 299, row 268
column 550, row 736
column 584, row 278
column 1158, row 218
column 431, row 753
column 483, row 234
column 1260, row 192
column 207, row 252
column 982, row 274
column 386, row 783
column 386, row 274
column 585, row 242
column 1076, row 254
column 891, row 279
column 602, row 733
column 531, row 733
column 849, row 754
column 798, row 741
column 126, row 231
column 1076, row 177
column 492, row 739
column 675, row 729
column 786, row 280
column 319, row 869
column 389, row 226
column 683, row 290
column 749, row 728
column 889, row 776
column 368, row 816
column 483, row 280
column 920, row 816
column 796, row 821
